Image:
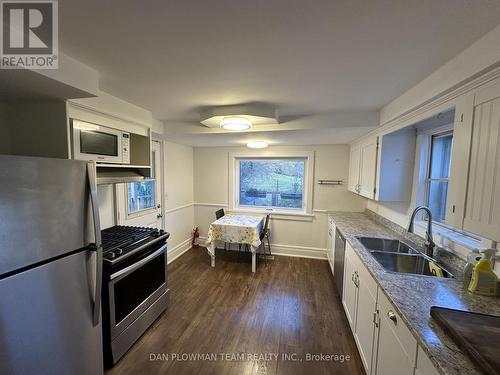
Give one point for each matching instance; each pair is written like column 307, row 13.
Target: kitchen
column 314, row 191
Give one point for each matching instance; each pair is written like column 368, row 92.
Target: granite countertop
column 413, row 296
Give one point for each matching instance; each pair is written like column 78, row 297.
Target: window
column 438, row 173
column 271, row 182
column 277, row 182
column 141, row 195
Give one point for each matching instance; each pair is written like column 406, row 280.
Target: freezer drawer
column 46, row 320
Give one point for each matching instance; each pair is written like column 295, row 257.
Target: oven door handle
column 139, row 264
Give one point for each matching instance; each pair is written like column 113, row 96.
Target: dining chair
column 218, row 214
column 264, row 234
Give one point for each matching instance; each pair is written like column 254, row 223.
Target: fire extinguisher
column 196, row 234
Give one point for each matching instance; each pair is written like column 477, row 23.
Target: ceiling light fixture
column 257, row 144
column 235, row 123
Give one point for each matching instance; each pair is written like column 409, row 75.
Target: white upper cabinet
column 482, row 209
column 381, row 168
column 363, row 167
column 368, row 168
column 354, row 160
column 396, row 163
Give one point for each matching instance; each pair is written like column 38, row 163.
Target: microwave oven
column 99, row 143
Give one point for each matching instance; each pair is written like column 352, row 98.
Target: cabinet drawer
column 401, row 331
column 424, row 364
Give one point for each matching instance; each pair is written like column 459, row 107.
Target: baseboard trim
column 289, row 250
column 178, row 250
column 299, row 251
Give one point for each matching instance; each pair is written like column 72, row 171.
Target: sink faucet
column 429, row 243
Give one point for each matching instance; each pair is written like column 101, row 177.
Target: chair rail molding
column 178, row 208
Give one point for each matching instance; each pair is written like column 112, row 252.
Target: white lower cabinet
column 385, row 343
column 350, row 289
column 330, row 248
column 364, row 333
column 424, row 364
column 397, row 348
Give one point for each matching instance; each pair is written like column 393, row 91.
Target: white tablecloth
column 240, row 229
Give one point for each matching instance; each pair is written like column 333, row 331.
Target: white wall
column 292, row 237
column 474, row 60
column 179, row 197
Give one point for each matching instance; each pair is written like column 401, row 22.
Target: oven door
column 134, row 288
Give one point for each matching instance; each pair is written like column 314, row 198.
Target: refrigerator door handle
column 91, row 171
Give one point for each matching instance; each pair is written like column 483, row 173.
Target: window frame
column 431, row 135
column 150, row 210
column 234, row 183
column 442, row 228
column 144, row 211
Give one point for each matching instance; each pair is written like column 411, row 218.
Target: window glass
column 438, row 191
column 441, row 156
column 272, row 182
column 439, row 172
column 141, row 195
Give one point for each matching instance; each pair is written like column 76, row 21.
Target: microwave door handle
column 91, row 172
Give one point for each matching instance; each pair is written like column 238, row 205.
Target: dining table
column 240, row 229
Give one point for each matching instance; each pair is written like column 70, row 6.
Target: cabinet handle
column 392, row 316
column 375, row 318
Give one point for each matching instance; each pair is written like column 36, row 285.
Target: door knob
column 159, row 216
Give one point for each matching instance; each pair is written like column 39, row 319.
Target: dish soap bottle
column 484, row 280
column 472, row 259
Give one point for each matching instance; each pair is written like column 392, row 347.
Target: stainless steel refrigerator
column 50, row 267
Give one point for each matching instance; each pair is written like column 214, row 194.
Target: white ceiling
column 305, row 57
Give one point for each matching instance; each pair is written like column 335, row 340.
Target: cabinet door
column 368, row 168
column 365, row 328
column 330, row 243
column 482, row 210
column 391, row 357
column 354, row 164
column 350, row 292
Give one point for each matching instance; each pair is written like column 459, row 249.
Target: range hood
column 118, row 174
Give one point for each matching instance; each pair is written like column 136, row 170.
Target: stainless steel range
column 135, row 291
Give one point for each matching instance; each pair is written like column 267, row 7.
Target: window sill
column 446, row 235
column 279, row 215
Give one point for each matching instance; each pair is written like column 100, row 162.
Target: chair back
column 219, row 213
column 266, row 227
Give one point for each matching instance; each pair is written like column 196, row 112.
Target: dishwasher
column 338, row 268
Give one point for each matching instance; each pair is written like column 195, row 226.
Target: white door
column 139, row 203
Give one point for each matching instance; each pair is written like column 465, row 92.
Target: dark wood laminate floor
column 288, row 306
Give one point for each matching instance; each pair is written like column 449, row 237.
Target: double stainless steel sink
column 396, row 256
